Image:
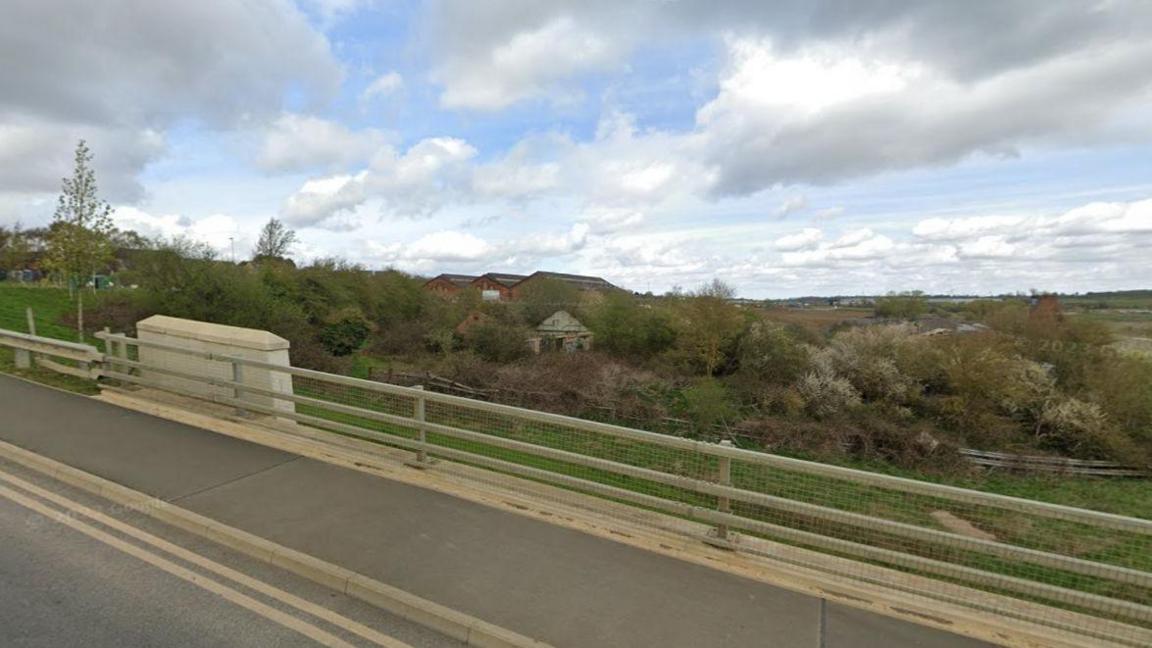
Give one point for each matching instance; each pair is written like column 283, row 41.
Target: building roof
column 561, row 322
column 459, row 280
column 583, row 282
column 502, row 278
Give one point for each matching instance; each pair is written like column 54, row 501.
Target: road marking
column 288, row 621
column 287, row 598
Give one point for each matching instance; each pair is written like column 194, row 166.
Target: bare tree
column 276, row 241
column 79, row 240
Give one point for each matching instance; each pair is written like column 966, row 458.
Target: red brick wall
column 442, row 287
column 484, row 283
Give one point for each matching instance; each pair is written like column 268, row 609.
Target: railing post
column 237, row 393
column 109, row 350
column 25, row 359
column 722, row 534
column 422, row 455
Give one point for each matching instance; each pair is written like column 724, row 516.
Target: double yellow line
column 67, row 515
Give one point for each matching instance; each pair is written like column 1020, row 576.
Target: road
column 549, row 582
column 68, row 579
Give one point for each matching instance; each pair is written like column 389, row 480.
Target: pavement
column 552, row 583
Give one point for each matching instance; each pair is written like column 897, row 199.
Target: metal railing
column 1069, row 568
column 32, row 350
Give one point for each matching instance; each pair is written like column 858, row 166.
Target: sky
column 787, row 148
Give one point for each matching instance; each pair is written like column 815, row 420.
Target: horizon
column 797, row 148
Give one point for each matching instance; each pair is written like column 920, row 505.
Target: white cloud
column 609, row 220
column 221, row 232
column 416, row 183
column 383, row 86
column 852, row 238
column 987, row 247
column 525, row 66
column 448, row 246
column 301, row 142
column 828, row 113
column 805, row 83
column 467, row 251
column 322, row 199
column 805, row 239
column 791, row 205
column 828, row 213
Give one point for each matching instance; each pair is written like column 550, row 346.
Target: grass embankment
column 49, row 306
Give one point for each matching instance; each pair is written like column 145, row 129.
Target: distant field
column 1132, row 328
column 817, row 319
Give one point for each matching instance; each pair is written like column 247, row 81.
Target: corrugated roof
column 458, row 279
column 583, row 282
column 503, row 278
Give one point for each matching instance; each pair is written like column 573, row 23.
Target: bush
column 826, row 395
column 870, row 359
column 626, row 328
column 1074, row 427
column 498, row 342
column 909, row 305
column 345, row 332
column 770, row 353
column 706, row 404
column 543, row 296
column 1122, row 385
column 707, row 329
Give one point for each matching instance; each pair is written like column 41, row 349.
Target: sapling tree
column 79, row 240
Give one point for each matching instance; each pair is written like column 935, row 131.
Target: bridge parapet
column 211, row 340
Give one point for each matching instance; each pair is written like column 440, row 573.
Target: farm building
column 561, row 332
column 500, row 286
column 496, row 286
column 580, row 282
column 448, row 285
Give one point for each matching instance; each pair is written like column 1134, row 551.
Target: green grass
column 49, row 305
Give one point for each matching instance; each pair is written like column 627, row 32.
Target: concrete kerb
column 457, row 625
column 762, row 560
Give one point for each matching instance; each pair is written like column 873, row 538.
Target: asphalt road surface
column 67, row 579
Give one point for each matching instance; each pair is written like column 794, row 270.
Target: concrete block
column 205, row 337
column 23, row 359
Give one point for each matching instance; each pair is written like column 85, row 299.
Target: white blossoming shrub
column 869, row 359
column 825, row 395
column 1076, row 427
column 1024, row 387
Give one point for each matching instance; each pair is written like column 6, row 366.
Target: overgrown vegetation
column 1034, row 380
column 830, row 385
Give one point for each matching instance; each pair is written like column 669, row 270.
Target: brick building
column 496, row 286
column 448, row 285
column 500, row 286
